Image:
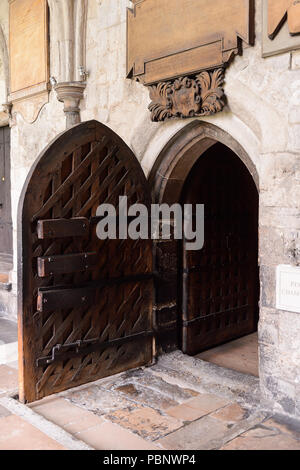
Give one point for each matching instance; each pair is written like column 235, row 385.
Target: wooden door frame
column 166, row 180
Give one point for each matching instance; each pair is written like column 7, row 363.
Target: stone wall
column 4, row 67
column 262, row 114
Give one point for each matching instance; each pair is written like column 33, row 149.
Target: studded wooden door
column 220, row 282
column 86, row 305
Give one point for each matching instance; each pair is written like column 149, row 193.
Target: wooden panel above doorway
column 179, row 49
column 29, row 56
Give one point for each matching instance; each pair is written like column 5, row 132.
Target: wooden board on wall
column 280, row 11
column 167, row 38
column 281, row 26
column 28, row 44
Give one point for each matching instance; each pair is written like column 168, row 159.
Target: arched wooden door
column 221, row 281
column 85, row 308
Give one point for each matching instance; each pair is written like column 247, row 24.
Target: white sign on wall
column 288, row 288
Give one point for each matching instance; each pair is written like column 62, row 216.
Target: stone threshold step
column 206, row 377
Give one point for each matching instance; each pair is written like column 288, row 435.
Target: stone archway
column 179, row 155
column 167, row 180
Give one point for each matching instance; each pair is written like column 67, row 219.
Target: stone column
column 71, row 93
column 68, row 26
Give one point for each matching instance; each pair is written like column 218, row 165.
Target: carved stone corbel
column 179, row 50
column 186, row 97
column 71, row 93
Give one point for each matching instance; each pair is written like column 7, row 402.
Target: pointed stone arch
column 174, row 162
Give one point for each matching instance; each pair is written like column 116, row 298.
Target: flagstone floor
column 240, row 355
column 181, row 403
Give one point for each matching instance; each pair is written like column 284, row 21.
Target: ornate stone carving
column 179, row 49
column 187, row 97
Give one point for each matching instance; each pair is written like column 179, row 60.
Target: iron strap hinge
column 62, row 352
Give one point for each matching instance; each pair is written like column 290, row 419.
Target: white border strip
column 47, row 427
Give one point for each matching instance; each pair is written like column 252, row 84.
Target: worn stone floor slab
column 99, row 400
column 192, row 372
column 146, row 388
column 146, row 422
column 65, row 414
column 109, row 436
column 197, row 407
column 17, row 434
column 181, row 403
column 231, row 414
column 240, row 355
column 263, row 438
column 160, row 409
column 196, row 435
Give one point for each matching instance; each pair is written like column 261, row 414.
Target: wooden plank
column 72, row 178
column 28, row 37
column 65, row 264
column 61, row 228
column 294, row 18
column 280, row 26
column 59, row 299
column 278, row 12
column 165, row 29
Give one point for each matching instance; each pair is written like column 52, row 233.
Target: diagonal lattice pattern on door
column 86, row 304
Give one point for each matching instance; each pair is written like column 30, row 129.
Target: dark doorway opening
column 6, row 249
column 220, row 283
